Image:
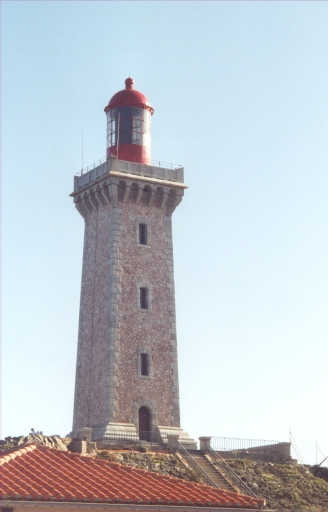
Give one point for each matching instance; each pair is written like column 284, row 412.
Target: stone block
column 172, row 441
column 202, row 442
column 78, row 446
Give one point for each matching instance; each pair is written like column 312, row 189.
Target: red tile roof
column 37, row 473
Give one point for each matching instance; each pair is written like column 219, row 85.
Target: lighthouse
column 127, row 367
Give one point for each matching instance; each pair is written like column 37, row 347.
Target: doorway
column 144, row 424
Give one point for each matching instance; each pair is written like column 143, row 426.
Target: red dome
column 129, row 97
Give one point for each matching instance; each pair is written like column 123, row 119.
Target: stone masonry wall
column 90, row 391
column 113, row 330
column 154, row 329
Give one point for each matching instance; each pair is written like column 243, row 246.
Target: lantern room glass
column 128, row 125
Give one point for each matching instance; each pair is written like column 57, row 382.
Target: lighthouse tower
column 127, row 368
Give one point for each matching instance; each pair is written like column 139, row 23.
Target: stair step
column 211, row 470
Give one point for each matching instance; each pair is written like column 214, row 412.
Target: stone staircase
column 211, row 470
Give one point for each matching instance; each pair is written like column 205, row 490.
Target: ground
column 166, row 464
column 286, row 487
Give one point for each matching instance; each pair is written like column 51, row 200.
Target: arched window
column 144, row 424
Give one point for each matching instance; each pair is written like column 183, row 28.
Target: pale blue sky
column 240, row 97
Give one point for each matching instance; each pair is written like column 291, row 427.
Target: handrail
column 228, row 472
column 196, row 467
column 154, row 163
column 166, row 165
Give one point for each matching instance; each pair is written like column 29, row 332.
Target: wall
column 112, row 327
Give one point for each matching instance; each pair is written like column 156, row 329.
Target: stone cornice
column 134, row 177
column 116, row 187
column 148, row 180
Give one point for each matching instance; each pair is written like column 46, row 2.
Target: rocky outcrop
column 320, row 472
column 286, row 487
column 164, row 463
column 51, row 441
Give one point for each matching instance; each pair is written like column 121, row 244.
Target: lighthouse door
column 144, row 424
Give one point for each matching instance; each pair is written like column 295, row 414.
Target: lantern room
column 128, row 125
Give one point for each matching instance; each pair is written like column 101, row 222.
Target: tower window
column 143, row 234
column 144, row 298
column 143, row 229
column 144, row 364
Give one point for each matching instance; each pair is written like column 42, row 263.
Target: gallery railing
column 104, row 168
column 156, row 163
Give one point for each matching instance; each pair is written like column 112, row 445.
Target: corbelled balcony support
column 156, row 195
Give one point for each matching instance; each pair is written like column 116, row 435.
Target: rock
column 166, row 464
column 286, row 487
column 59, row 443
column 51, row 441
column 320, row 472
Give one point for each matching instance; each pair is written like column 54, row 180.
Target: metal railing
column 228, row 472
column 93, row 166
column 166, row 165
column 155, row 163
column 195, row 466
column 135, row 438
column 237, row 445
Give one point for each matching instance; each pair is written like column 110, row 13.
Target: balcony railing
column 93, row 166
column 154, row 163
column 103, row 167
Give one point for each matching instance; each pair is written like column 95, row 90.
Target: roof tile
column 37, row 472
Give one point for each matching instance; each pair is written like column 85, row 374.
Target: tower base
column 126, row 433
